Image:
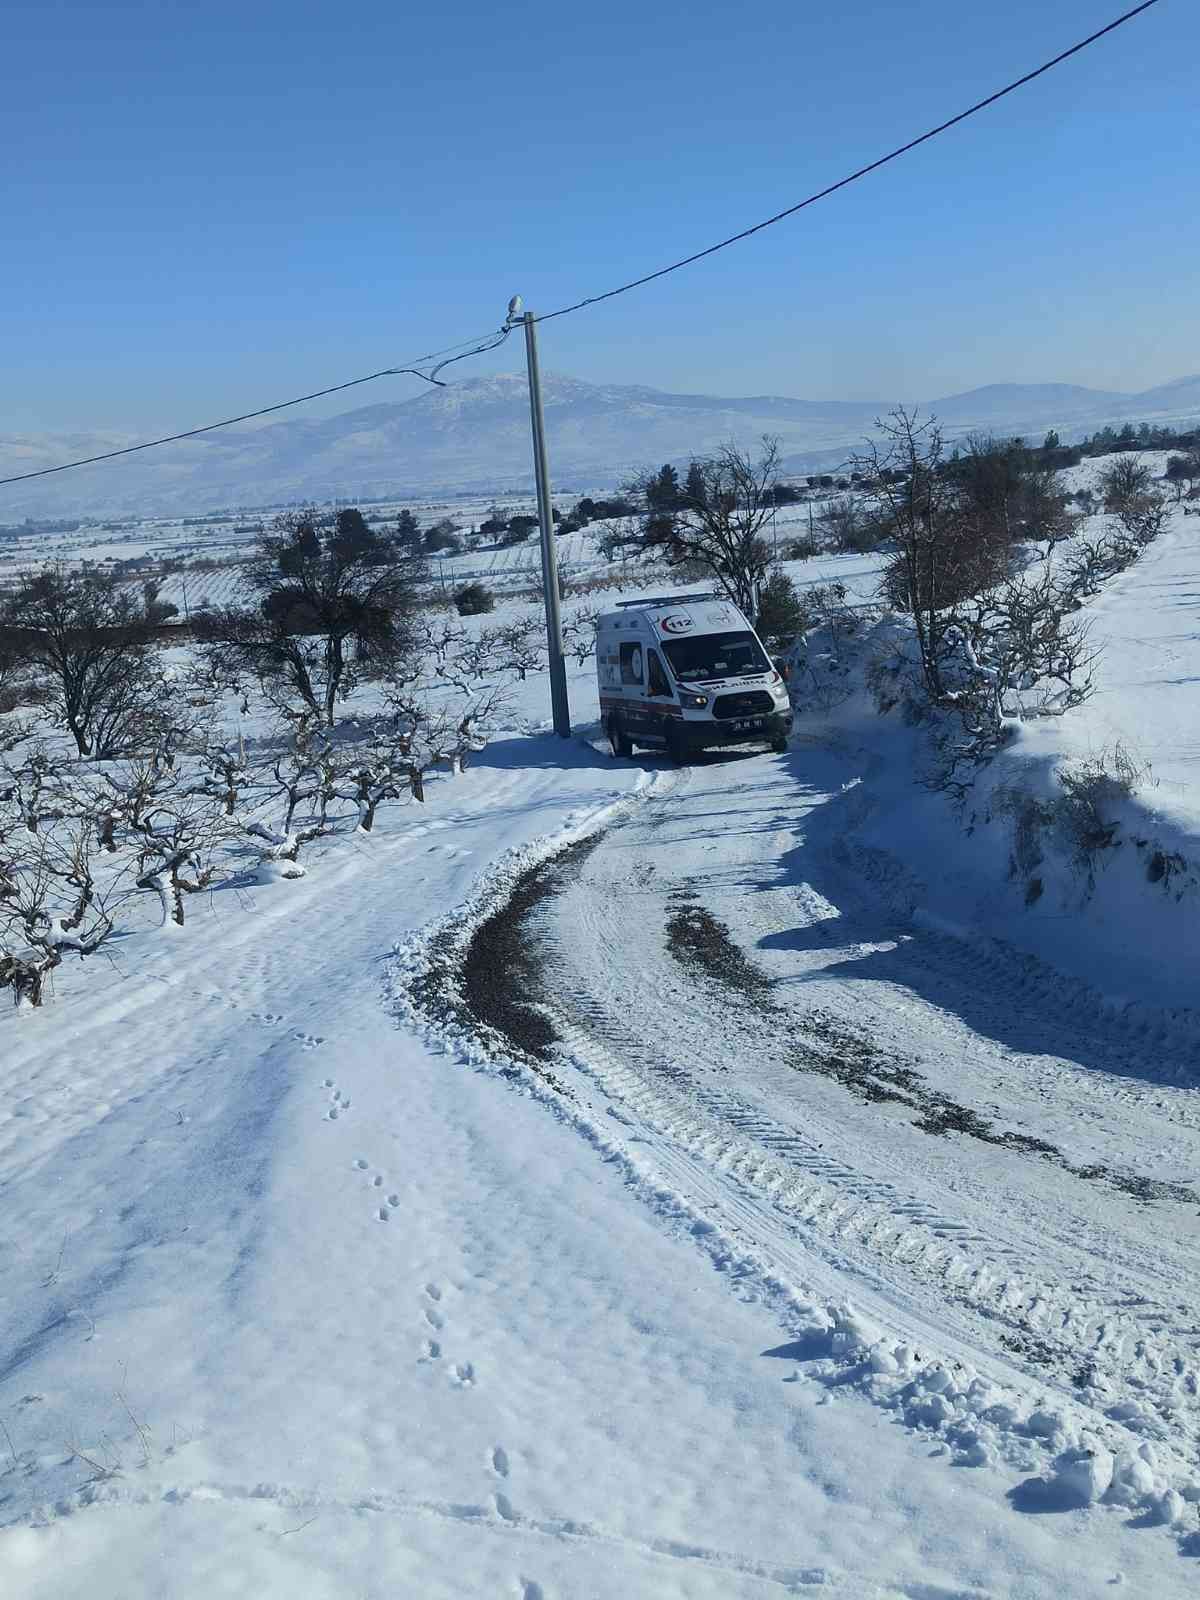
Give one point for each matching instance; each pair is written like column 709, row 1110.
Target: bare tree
column 49, row 903
column 92, row 641
column 1028, row 654
column 436, row 733
column 175, row 847
column 1141, row 517
column 305, row 772
column 1089, row 562
column 224, row 773
column 12, row 672
column 617, row 534
column 518, row 647
column 579, row 633
column 945, row 551
column 718, row 519
column 851, row 523
column 34, row 792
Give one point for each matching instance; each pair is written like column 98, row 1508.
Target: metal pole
column 560, row 708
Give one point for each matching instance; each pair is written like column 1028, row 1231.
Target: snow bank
column 1079, row 842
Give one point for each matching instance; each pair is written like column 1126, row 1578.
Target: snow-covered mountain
column 474, row 435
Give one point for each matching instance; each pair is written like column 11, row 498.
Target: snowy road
column 863, row 1106
column 305, row 1299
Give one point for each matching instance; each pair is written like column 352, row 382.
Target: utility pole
column 560, row 708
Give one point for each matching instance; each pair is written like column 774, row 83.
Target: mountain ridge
column 474, row 436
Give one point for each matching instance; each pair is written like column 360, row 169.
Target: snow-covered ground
column 1127, row 922
column 199, row 564
column 308, row 1294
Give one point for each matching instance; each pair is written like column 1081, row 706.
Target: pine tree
column 351, row 535
column 662, row 491
column 408, row 531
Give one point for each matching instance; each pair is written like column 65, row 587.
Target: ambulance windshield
column 715, row 655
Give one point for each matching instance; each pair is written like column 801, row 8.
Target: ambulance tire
column 779, row 746
column 622, row 744
column 676, row 750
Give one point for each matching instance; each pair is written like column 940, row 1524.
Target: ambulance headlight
column 695, row 702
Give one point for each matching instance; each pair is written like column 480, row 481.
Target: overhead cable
column 489, row 342
column 853, row 177
column 477, row 347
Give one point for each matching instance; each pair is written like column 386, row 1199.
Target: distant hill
column 474, row 436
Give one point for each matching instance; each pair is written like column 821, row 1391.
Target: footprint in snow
column 500, row 1461
column 464, row 1375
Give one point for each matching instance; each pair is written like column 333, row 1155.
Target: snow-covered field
column 842, row 1241
column 199, row 564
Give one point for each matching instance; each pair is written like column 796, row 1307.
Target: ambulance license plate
column 747, row 723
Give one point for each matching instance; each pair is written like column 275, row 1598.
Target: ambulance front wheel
column 779, row 746
column 676, row 749
column 622, row 744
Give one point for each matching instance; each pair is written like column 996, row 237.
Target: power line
column 477, row 347
column 853, row 177
column 489, row 342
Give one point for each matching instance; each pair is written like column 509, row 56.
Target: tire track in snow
column 1080, row 1331
column 783, row 1213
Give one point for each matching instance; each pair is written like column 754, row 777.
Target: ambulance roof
column 675, row 616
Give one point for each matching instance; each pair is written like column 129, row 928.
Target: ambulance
column 682, row 673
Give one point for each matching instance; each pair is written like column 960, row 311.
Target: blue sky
column 209, row 207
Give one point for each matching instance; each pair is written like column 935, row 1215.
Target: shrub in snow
column 1086, row 816
column 442, row 539
column 782, row 613
column 849, row 525
column 336, row 601
column 472, row 600
column 821, row 666
column 1124, row 479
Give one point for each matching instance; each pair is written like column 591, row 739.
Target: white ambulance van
column 681, row 673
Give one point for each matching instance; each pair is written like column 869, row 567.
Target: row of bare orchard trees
column 994, row 608
column 119, row 779
column 970, row 537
